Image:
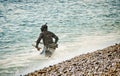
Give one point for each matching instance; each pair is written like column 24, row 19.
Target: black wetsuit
column 47, row 37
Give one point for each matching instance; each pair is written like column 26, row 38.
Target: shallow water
column 82, row 26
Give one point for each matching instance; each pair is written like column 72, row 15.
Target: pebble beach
column 105, row 62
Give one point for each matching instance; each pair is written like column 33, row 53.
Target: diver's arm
column 38, row 40
column 55, row 37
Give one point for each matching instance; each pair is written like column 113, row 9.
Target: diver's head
column 44, row 27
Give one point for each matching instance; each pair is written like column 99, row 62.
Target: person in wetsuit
column 47, row 38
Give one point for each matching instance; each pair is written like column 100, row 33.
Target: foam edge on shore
column 105, row 62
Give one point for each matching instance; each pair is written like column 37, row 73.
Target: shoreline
column 101, row 62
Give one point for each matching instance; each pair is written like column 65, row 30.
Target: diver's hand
column 56, row 45
column 38, row 49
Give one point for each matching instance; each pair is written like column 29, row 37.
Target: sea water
column 82, row 26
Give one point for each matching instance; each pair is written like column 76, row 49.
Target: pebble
column 105, row 62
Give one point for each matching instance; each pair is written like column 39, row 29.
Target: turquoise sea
column 82, row 26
